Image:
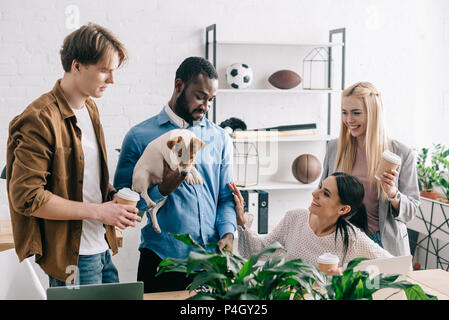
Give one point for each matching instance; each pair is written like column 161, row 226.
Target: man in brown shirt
column 57, row 175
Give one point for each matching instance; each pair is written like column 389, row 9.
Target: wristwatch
column 396, row 197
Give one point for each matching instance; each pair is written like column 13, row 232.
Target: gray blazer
column 392, row 223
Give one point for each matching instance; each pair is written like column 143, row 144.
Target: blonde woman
column 391, row 201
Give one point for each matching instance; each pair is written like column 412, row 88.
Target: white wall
column 402, row 46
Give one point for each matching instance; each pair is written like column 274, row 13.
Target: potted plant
column 427, row 175
column 441, row 156
column 229, row 276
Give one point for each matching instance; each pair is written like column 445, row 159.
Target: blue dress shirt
column 206, row 212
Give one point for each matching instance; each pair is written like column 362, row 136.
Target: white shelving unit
column 288, row 147
column 275, row 154
column 279, row 185
column 276, row 91
column 284, row 139
column 278, row 44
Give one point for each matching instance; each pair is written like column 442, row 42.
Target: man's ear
column 173, row 142
column 75, row 66
column 179, row 85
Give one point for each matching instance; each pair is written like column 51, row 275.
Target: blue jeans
column 376, row 238
column 92, row 269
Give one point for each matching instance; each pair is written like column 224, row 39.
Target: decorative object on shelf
column 316, row 69
column 233, row 124
column 285, row 79
column 279, row 131
column 246, row 164
column 306, row 168
column 239, row 75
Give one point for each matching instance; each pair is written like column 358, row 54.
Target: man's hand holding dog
column 171, row 180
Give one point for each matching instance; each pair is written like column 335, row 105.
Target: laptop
column 396, row 265
column 106, row 291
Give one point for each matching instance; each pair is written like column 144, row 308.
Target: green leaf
column 267, row 251
column 246, row 269
column 415, row 292
column 235, row 291
column 171, row 265
column 283, row 295
column 353, row 263
column 273, row 262
column 359, row 290
column 208, row 262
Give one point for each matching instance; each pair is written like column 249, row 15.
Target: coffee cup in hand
column 127, row 196
column 328, row 261
column 388, row 162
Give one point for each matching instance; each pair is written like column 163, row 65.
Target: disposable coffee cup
column 389, row 161
column 127, row 196
column 327, row 261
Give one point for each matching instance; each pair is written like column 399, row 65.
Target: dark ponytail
column 351, row 192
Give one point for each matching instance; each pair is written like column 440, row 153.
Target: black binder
column 257, row 202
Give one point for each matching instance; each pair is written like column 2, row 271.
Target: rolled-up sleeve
column 408, row 186
column 30, row 154
column 226, row 216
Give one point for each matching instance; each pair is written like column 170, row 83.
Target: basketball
column 306, row 168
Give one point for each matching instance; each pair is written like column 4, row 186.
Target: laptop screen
column 107, row 291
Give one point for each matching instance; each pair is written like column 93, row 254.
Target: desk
column 7, row 240
column 169, row 295
column 434, row 282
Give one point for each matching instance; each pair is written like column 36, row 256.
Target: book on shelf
column 294, row 130
column 272, row 134
column 291, row 127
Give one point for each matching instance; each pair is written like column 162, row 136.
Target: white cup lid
column 328, row 258
column 391, row 157
column 128, row 194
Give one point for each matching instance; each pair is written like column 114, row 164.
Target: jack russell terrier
column 178, row 147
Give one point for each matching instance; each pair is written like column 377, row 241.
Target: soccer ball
column 239, row 75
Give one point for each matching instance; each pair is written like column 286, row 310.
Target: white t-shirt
column 297, row 237
column 93, row 232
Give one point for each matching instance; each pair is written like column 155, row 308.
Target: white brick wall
column 405, row 57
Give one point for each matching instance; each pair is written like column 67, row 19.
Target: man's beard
column 182, row 109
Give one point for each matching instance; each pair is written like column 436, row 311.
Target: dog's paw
column 198, row 180
column 157, row 229
column 151, row 204
column 190, row 179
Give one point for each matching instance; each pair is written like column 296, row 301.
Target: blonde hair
column 376, row 140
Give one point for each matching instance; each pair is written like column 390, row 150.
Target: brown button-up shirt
column 45, row 157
